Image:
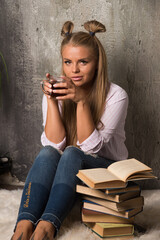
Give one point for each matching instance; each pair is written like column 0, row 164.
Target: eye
column 67, row 62
column 83, row 62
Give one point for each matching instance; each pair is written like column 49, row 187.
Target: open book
column 116, row 175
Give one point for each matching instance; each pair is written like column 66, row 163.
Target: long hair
column 100, row 88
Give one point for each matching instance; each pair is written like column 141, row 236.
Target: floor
column 72, row 228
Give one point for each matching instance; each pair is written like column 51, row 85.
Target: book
column 98, row 208
column 93, row 216
column 129, row 237
column 131, row 187
column 121, row 206
column 101, row 194
column 116, row 175
column 111, row 229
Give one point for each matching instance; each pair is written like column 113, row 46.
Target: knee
column 47, row 154
column 72, row 155
column 48, row 151
column 72, row 151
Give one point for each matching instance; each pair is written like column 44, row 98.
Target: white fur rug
column 72, row 228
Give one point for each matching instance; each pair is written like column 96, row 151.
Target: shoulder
column 116, row 94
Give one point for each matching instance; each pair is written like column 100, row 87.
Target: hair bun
column 94, row 26
column 67, row 28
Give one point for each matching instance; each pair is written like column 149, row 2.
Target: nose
column 75, row 68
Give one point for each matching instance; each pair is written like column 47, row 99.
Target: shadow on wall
column 143, row 124
column 21, row 120
column 5, row 96
column 138, row 64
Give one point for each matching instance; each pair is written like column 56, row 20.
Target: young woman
column 83, row 128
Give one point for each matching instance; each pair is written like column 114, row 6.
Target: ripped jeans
column 49, row 191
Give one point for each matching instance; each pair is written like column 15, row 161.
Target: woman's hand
column 68, row 90
column 54, row 127
column 47, row 85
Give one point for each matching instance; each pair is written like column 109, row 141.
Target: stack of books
column 111, row 200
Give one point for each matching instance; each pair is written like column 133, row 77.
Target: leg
column 62, row 195
column 37, row 188
column 97, row 162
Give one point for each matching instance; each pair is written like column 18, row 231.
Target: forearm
column 85, row 124
column 54, row 128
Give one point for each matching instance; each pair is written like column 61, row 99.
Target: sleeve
column 113, row 120
column 44, row 140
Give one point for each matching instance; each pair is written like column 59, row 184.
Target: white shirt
column 109, row 141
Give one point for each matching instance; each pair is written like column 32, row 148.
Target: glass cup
column 53, row 80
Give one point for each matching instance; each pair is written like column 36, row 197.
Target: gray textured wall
column 30, row 41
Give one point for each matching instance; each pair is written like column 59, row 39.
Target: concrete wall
column 30, row 40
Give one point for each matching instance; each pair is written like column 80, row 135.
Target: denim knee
column 47, row 155
column 71, row 153
column 48, row 151
column 70, row 162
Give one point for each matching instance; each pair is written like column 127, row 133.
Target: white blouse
column 109, row 141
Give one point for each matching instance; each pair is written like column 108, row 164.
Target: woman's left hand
column 68, row 90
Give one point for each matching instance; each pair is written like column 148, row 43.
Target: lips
column 76, row 78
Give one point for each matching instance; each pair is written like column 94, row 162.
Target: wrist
column 51, row 101
column 82, row 103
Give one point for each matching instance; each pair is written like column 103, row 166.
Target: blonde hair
column 97, row 96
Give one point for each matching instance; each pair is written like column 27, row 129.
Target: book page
column 138, row 176
column 124, row 168
column 97, row 175
column 113, row 225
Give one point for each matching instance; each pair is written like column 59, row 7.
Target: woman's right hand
column 47, row 86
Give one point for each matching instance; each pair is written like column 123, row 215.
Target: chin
column 78, row 83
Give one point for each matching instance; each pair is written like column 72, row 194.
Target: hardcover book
column 93, row 216
column 121, row 206
column 98, row 208
column 119, row 197
column 111, row 229
column 131, row 187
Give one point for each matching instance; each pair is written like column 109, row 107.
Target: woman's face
column 79, row 64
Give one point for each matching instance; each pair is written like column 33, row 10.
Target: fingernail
column 48, row 75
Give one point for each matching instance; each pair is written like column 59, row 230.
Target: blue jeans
column 49, row 191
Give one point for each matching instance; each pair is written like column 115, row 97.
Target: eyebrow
column 66, row 58
column 86, row 59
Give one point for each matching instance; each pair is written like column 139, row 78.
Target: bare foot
column 23, row 231
column 44, row 231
